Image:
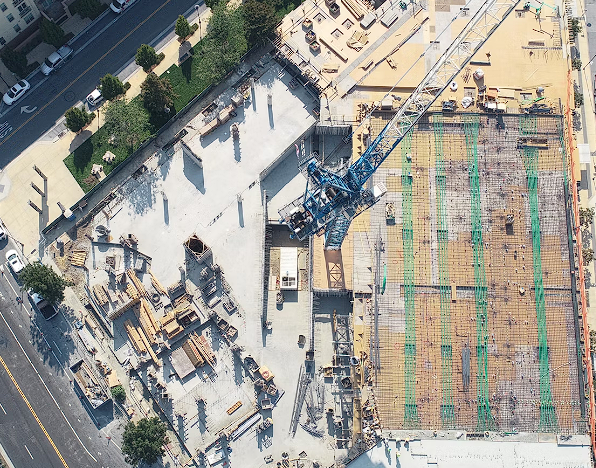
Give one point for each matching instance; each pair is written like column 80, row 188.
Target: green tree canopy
column 126, row 123
column 144, row 441
column 224, row 44
column 52, row 33
column 111, row 87
column 118, row 393
column 259, row 20
column 182, row 27
column 44, row 281
column 77, row 119
column 15, row 61
column 157, row 94
column 211, row 3
column 146, row 57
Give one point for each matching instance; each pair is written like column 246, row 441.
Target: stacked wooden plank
column 355, row 8
column 100, row 294
column 193, row 353
column 170, row 325
column 150, row 349
column 134, row 337
column 157, row 285
column 78, row 257
column 132, row 291
column 137, row 282
column 204, row 348
column 147, row 321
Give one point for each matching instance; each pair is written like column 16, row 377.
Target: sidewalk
column 15, row 181
column 587, row 135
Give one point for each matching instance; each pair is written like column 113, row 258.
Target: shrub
column 87, row 8
column 52, row 33
column 15, row 61
column 146, row 57
column 182, row 27
column 77, row 119
column 578, row 98
column 111, row 87
column 575, row 28
column 118, row 393
column 576, row 64
column 588, row 256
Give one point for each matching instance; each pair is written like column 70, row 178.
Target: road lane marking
column 84, row 73
column 28, row 452
column 56, row 346
column 34, row 414
column 3, row 408
column 45, row 386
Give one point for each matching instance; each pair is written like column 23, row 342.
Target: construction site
column 423, row 296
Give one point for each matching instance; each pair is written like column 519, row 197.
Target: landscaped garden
column 230, row 33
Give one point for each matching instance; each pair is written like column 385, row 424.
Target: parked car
column 16, row 92
column 94, row 98
column 56, row 60
column 47, row 310
column 118, row 6
column 15, row 263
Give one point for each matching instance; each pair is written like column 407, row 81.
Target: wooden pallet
column 78, row 258
column 234, row 407
column 157, row 285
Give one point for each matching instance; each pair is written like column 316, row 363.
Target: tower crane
column 332, row 199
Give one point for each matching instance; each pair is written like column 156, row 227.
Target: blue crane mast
column 332, row 199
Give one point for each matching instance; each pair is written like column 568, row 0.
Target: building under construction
column 472, row 321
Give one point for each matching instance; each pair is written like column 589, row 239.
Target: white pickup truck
column 56, row 60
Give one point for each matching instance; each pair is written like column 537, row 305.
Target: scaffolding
column 474, row 354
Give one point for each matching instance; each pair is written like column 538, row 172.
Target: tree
column 52, row 33
column 259, row 20
column 586, row 217
column 126, row 123
column 182, row 27
column 77, row 119
column 118, row 393
column 224, row 44
column 144, row 441
column 111, row 87
column 211, row 3
column 587, row 255
column 15, row 61
column 575, row 28
column 157, row 94
column 44, row 281
column 578, row 98
column 146, row 57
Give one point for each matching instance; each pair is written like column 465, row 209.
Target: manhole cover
column 69, row 96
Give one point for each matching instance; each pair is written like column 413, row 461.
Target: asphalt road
column 109, row 52
column 38, row 355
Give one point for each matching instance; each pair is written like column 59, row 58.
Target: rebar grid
column 513, row 330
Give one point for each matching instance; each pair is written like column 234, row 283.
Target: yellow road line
column 82, row 74
column 33, row 413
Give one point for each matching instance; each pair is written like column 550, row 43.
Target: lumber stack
column 204, row 348
column 147, row 321
column 134, row 337
column 100, row 294
column 193, row 353
column 137, row 282
column 132, row 291
column 157, row 285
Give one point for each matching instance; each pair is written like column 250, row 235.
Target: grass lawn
column 186, row 80
column 90, row 152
